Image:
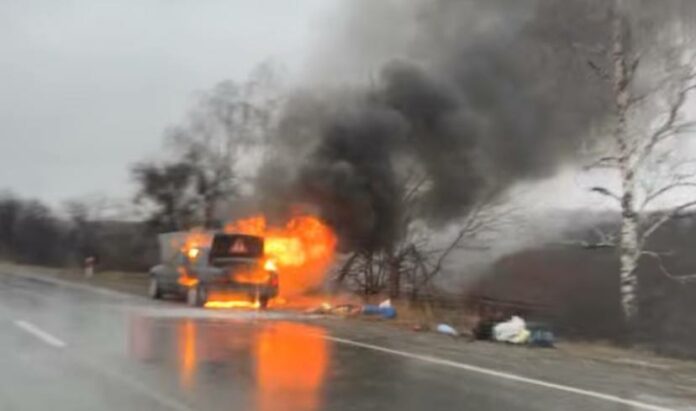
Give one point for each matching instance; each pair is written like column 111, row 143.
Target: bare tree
column 421, row 254
column 225, row 133
column 167, row 188
column 649, row 117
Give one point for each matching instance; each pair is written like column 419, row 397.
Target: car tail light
column 270, row 265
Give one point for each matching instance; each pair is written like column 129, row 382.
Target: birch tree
column 649, row 118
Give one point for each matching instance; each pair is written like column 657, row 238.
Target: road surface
column 74, row 348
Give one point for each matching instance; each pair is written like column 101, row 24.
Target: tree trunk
column 369, row 267
column 394, row 276
column 629, row 262
column 346, row 269
column 630, row 245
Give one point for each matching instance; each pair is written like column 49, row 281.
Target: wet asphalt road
column 75, row 349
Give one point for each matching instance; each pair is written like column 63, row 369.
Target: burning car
column 215, row 270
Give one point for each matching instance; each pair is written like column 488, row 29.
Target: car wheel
column 263, row 302
column 195, row 297
column 154, row 289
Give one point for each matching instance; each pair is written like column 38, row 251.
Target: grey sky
column 87, row 87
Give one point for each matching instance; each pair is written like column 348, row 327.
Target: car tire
column 154, row 290
column 263, row 303
column 195, row 296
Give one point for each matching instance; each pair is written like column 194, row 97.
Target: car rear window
column 236, row 245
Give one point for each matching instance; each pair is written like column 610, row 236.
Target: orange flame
column 302, row 250
column 232, row 304
column 195, row 240
column 184, row 279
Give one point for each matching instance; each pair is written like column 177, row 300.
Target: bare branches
column 665, row 217
column 633, row 66
column 665, row 190
column 604, row 240
column 610, row 162
column 600, row 72
column 669, row 125
column 606, row 192
column 484, row 217
column 414, row 182
column 683, row 279
column 346, row 268
column 657, row 87
column 421, row 254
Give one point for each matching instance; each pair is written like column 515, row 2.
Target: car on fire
column 231, row 265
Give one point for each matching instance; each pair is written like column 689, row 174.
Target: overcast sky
column 87, row 87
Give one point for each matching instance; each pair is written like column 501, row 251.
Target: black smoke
column 483, row 95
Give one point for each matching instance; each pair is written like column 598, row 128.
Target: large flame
column 221, row 303
column 194, row 241
column 302, row 249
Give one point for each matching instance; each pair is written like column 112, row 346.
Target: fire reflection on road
column 272, row 365
column 187, row 352
column 291, row 361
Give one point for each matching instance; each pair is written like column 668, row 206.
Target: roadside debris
column 385, row 311
column 340, row 310
column 420, row 327
column 513, row 331
column 541, row 336
column 491, row 326
column 483, row 329
column 346, row 310
column 447, row 330
column 323, row 308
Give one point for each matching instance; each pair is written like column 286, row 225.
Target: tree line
column 31, row 232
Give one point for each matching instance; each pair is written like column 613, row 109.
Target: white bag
column 509, row 331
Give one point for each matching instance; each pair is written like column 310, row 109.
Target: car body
column 234, row 264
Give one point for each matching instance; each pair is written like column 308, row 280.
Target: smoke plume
column 466, row 97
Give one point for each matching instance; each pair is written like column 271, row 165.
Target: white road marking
column 39, row 333
column 503, row 375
